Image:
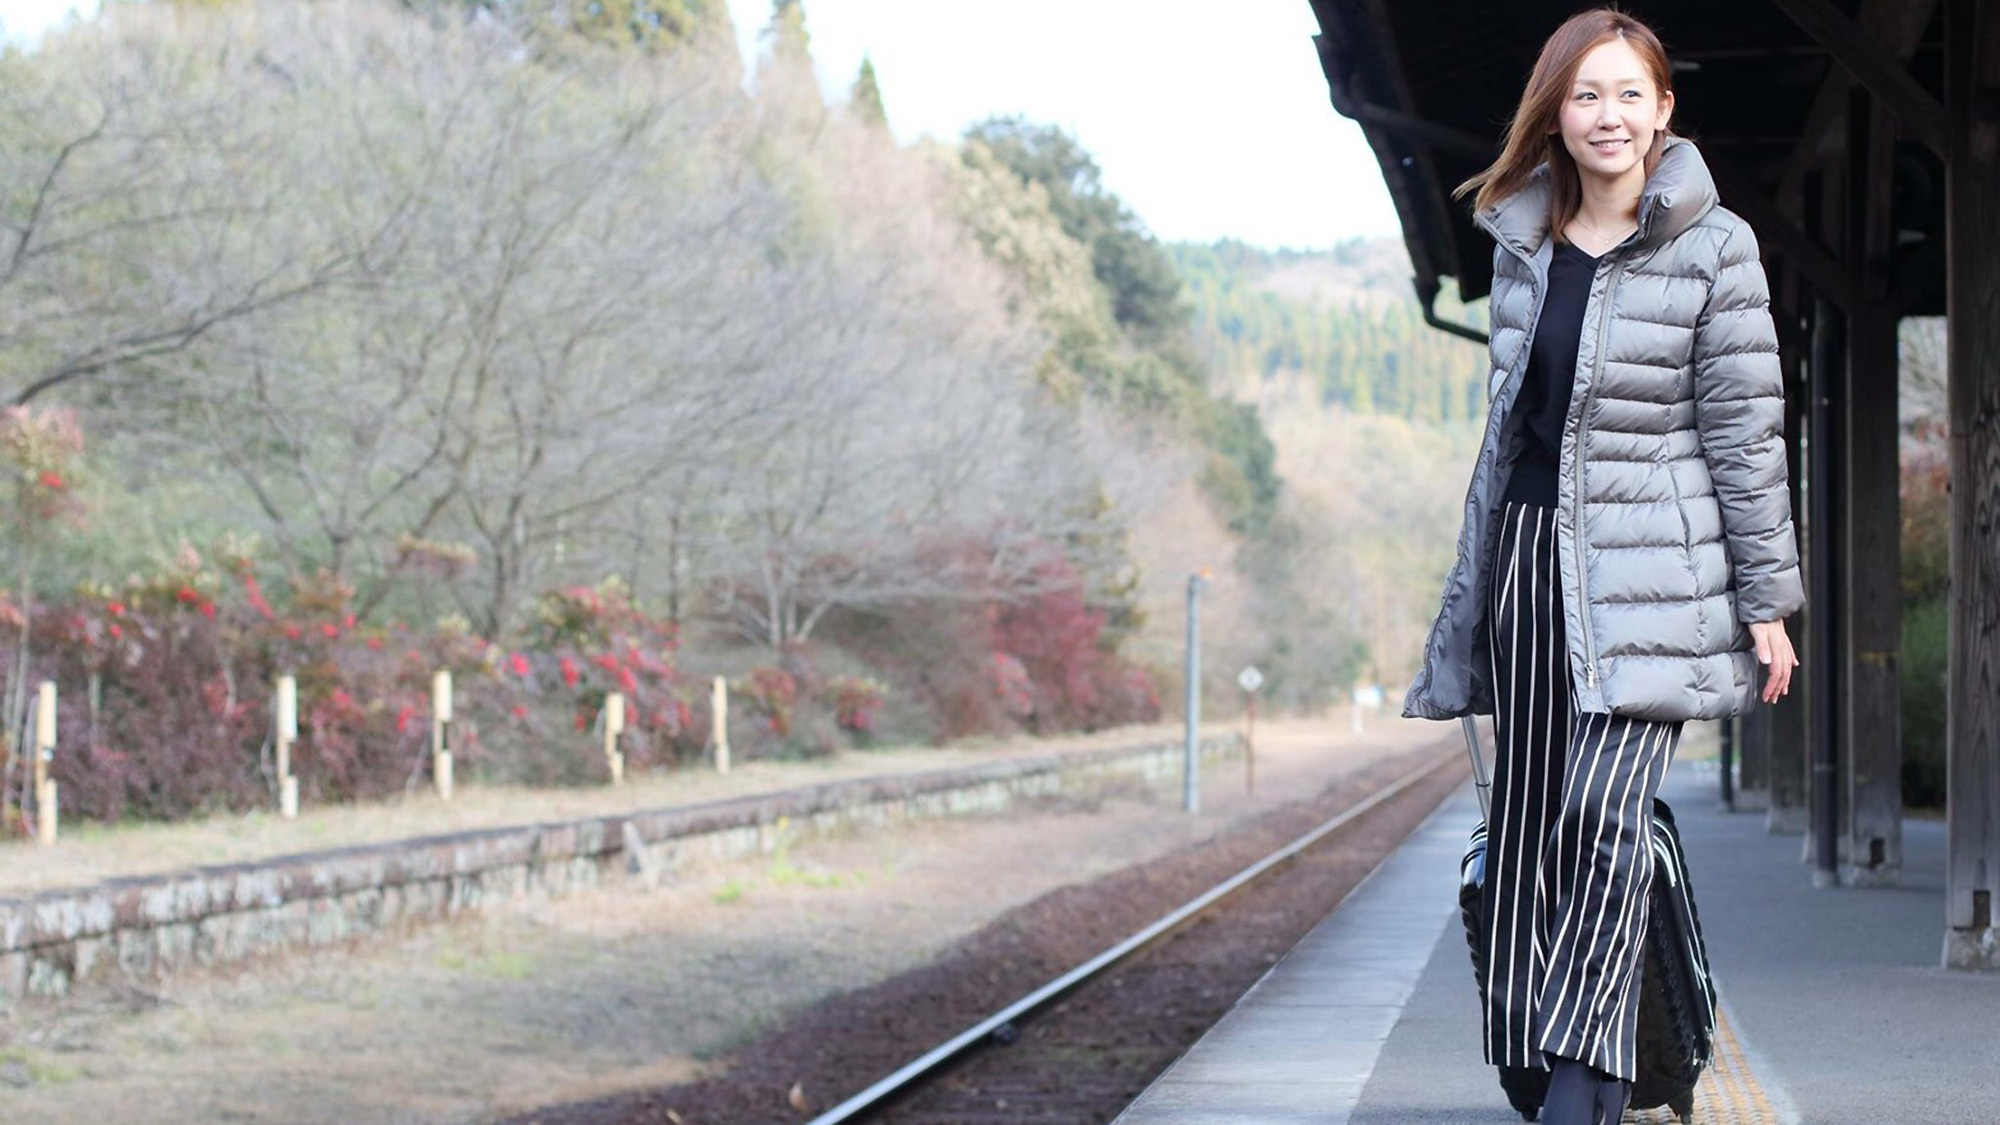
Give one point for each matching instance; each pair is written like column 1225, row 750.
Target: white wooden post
column 441, row 732
column 45, row 753
column 286, row 733
column 614, row 725
column 720, row 708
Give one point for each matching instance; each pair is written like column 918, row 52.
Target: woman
column 1627, row 555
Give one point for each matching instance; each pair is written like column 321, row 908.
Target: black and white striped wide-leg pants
column 1568, row 854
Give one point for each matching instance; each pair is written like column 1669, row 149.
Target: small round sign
column 1250, row 679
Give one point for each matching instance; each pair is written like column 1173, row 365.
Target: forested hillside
column 1375, row 417
column 360, row 340
column 1344, row 321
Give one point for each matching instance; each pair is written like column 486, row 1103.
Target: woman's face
column 1611, row 114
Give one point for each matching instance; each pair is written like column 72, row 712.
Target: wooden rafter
column 1742, row 195
column 1883, row 74
column 1896, row 26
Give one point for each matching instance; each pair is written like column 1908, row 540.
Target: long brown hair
column 1529, row 140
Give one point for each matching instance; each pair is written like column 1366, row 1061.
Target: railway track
column 998, row 1069
column 1064, row 1009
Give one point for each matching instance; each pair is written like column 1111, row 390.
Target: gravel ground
column 1085, row 1058
column 549, row 1003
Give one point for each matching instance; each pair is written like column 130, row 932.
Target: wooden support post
column 1725, row 737
column 1822, row 670
column 1786, row 721
column 1972, row 270
column 719, row 713
column 1780, row 727
column 441, row 733
column 1870, row 804
column 1753, row 760
column 1819, row 661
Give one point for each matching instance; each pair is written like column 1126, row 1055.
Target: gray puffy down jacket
column 1674, row 524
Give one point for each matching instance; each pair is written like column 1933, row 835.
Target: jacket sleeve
column 1740, row 416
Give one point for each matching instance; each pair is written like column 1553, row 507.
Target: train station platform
column 1834, row 1008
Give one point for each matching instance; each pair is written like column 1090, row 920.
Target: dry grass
column 89, row 853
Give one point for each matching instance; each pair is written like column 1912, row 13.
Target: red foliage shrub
column 169, row 734
column 595, row 642
column 769, row 695
column 857, row 703
column 1042, row 662
column 1078, row 684
column 183, row 665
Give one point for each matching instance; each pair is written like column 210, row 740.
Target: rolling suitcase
column 1676, row 997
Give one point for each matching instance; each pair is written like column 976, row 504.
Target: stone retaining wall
column 141, row 928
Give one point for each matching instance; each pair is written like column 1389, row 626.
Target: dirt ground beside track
column 551, row 1002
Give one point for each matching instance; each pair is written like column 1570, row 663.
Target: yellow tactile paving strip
column 1728, row 1093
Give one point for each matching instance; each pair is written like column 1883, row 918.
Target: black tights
column 1581, row 1094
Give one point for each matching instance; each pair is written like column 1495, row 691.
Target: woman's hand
column 1774, row 651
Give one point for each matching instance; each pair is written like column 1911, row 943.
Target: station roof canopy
column 1761, row 85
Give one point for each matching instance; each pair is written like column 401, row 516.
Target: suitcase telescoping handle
column 1480, row 781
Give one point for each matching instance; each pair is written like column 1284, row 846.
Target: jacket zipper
column 1582, row 429
column 1539, row 288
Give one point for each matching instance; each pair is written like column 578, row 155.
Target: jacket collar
column 1676, row 196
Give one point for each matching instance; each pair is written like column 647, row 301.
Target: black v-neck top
column 1543, row 402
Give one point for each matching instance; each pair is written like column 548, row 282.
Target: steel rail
column 916, row 1069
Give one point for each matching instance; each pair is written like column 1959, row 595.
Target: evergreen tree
column 715, row 31
column 651, row 25
column 1163, row 372
column 866, row 97
column 1145, row 288
column 786, row 33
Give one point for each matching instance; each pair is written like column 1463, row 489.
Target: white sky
column 25, row 19
column 1210, row 120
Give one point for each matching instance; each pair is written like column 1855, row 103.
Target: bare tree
column 127, row 233
column 913, row 459
column 587, row 312
column 1921, row 341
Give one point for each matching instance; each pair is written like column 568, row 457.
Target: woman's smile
column 1613, row 115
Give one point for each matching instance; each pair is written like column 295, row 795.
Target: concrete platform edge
column 1326, row 1087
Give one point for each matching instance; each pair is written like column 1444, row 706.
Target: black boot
column 1573, row 1093
column 1612, row 1095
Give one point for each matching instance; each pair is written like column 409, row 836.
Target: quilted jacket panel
column 1674, row 523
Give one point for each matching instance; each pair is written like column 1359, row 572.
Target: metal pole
column 1480, row 782
column 1190, row 773
column 1250, row 746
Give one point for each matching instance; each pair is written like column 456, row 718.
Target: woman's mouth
column 1608, row 147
